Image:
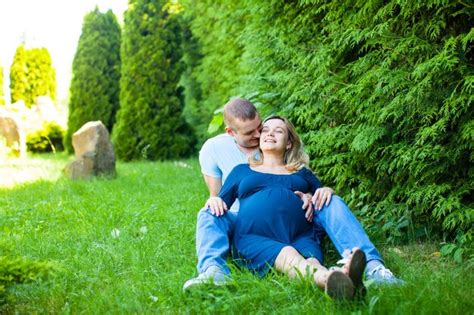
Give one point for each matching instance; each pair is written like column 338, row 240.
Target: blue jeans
column 335, row 220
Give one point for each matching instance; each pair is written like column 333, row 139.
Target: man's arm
column 214, row 203
column 214, row 185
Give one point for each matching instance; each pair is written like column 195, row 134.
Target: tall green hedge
column 150, row 123
column 32, row 74
column 212, row 53
column 41, row 75
column 18, row 75
column 381, row 91
column 2, row 92
column 95, row 85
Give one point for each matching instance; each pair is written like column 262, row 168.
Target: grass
column 127, row 246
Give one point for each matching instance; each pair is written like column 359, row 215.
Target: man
column 218, row 156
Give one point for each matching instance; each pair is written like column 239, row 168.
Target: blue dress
column 270, row 216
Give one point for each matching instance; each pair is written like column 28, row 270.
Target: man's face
column 246, row 133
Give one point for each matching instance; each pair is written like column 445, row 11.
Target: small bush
column 47, row 139
column 16, row 270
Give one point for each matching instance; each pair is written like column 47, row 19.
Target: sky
column 53, row 24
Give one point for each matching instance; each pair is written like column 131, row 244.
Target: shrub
column 2, row 92
column 96, row 74
column 17, row 270
column 48, row 139
column 150, row 123
column 32, row 75
column 380, row 90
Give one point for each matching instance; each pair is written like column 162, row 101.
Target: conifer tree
column 41, row 75
column 2, row 95
column 31, row 75
column 195, row 114
column 381, row 92
column 150, row 122
column 96, row 73
column 18, row 75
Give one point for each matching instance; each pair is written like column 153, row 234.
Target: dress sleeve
column 311, row 179
column 229, row 191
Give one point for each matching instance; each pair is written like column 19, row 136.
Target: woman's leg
column 335, row 283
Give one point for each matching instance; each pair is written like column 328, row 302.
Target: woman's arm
column 322, row 195
column 227, row 195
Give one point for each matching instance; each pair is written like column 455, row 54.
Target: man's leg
column 212, row 247
column 345, row 231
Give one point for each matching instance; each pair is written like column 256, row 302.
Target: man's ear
column 229, row 131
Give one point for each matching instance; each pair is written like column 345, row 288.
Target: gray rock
column 93, row 151
column 10, row 132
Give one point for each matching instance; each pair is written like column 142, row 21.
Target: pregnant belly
column 273, row 213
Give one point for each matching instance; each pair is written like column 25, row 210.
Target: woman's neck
column 271, row 161
column 273, row 164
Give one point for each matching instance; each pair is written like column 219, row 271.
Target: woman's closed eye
column 276, row 130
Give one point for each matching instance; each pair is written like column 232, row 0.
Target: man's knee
column 337, row 208
column 337, row 203
column 204, row 213
column 206, row 218
column 337, row 200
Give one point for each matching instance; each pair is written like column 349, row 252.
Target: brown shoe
column 355, row 265
column 339, row 286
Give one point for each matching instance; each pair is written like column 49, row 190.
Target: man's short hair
column 238, row 108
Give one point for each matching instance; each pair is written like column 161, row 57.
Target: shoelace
column 342, row 261
column 382, row 271
column 345, row 257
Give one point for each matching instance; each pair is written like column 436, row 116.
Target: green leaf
column 215, row 124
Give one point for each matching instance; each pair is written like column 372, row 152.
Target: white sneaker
column 213, row 275
column 382, row 275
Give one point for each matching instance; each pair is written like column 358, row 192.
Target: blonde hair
column 295, row 157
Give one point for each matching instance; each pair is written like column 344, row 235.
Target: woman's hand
column 307, row 205
column 322, row 197
column 216, row 205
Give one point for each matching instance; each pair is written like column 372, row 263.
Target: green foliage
column 382, row 92
column 18, row 75
column 150, row 123
column 2, row 92
column 212, row 54
column 17, row 270
column 41, row 75
column 31, row 75
column 95, row 85
column 47, row 139
column 195, row 114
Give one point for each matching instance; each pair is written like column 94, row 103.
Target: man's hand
column 307, row 205
column 322, row 197
column 216, row 205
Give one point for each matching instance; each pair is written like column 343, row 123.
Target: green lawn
column 127, row 245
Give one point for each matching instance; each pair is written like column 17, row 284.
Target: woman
column 271, row 230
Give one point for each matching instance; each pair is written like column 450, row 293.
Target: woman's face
column 274, row 136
